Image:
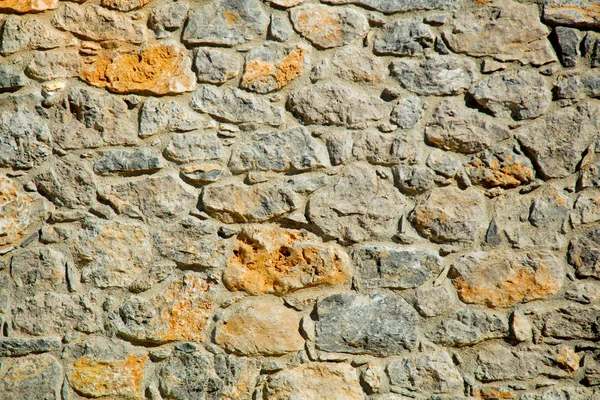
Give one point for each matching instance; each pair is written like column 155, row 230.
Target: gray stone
column 355, row 64
column 437, row 75
column 567, row 42
column 202, row 173
column 47, row 66
column 499, row 363
column 159, row 116
column 381, row 324
column 19, row 34
column 403, row 37
column 394, row 6
column 572, row 322
column 468, row 326
column 500, row 167
column 435, row 300
column 17, row 347
column 557, row 141
column 586, row 210
column 11, row 78
column 24, row 139
column 293, row 150
column 67, row 184
column 340, row 144
column 568, row 86
column 577, row 13
column 584, row 253
column 520, row 94
column 385, row 148
column 127, row 162
column 590, row 176
column 394, row 267
column 280, row 28
column 443, row 163
column 225, row 23
column 33, row 378
column 407, row 112
column 42, row 268
column 217, row 66
column 167, row 18
column 319, row 104
column 358, row 206
column 186, row 147
column 237, row 106
column 413, row 180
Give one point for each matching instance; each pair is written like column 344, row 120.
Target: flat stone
column 17, row 347
column 585, row 210
column 127, row 162
column 572, row 322
column 269, row 260
column 67, row 184
column 262, row 327
column 499, row 363
column 430, row 372
column 380, row 324
column 394, row 267
column 24, row 140
column 47, row 66
column 500, row 167
column 225, row 23
column 407, row 112
column 187, row 147
column 217, row 66
column 319, row 104
column 556, row 142
column 124, row 5
column 24, row 6
column 403, row 37
column 520, row 94
column 451, row 215
column 202, row 173
column 467, row 327
column 158, row 68
column 293, row 150
column 354, row 64
column 314, row 381
column 577, row 13
column 158, row 116
column 327, row 27
column 42, row 268
column 33, row 378
column 584, row 253
column 237, row 106
column 20, row 34
column 437, row 75
column 394, row 6
column 507, row 31
column 359, row 206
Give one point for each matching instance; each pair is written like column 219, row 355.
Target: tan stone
column 503, row 279
column 580, row 13
column 158, row 68
column 124, row 5
column 277, row 261
column 286, row 3
column 119, row 378
column 27, row 6
column 264, row 326
column 567, row 358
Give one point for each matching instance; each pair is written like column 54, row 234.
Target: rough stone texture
column 356, row 65
column 186, row 147
column 403, row 38
column 567, row 42
column 468, row 326
column 18, row 347
column 216, row 66
column 68, row 185
column 584, row 253
column 167, row 18
column 500, row 167
column 141, row 161
column 166, row 116
column 24, row 139
column 44, row 267
column 33, row 378
column 55, row 65
column 20, row 35
column 580, row 13
column 393, row 6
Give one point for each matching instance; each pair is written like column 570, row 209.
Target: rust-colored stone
column 277, row 261
column 508, row 171
column 266, row 76
column 27, row 6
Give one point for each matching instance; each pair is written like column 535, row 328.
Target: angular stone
column 326, row 27
column 125, row 162
column 507, row 31
column 292, row 150
column 435, row 300
column 47, row 66
column 158, row 68
column 394, row 267
column 407, row 112
column 443, row 163
column 319, row 104
column 499, row 363
column 557, row 141
column 17, row 347
column 24, row 139
column 457, row 128
column 567, row 42
column 590, row 176
column 40, row 268
column 163, row 197
column 124, row 5
column 202, row 174
column 500, row 167
column 180, row 311
column 269, row 260
column 403, row 37
column 431, row 372
column 467, row 327
column 504, row 279
column 225, row 23
column 97, row 24
column 67, row 184
column 159, row 116
column 314, row 381
column 237, row 202
column 394, row 6
column 437, row 75
column 216, row 66
column 186, row 147
column 451, row 215
column 264, row 327
column 572, row 322
column 586, row 210
column 168, row 17
column 413, row 180
column 237, row 106
column 11, row 78
column 359, row 206
column 286, row 3
column 584, row 253
column 99, row 378
column 577, row 13
column 380, row 324
column 20, row 34
column 280, row 28
column 520, row 94
column 273, row 66
column 355, row 64
column 33, row 378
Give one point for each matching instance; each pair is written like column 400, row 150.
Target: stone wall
column 301, row 200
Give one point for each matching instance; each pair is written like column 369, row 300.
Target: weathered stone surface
column 567, row 43
column 125, row 162
column 467, row 327
column 381, row 148
column 590, row 176
column 20, row 34
column 24, row 140
column 47, row 66
column 457, row 128
column 431, row 372
column 578, row 13
column 507, row 31
column 168, row 17
column 158, row 116
column 407, row 112
column 500, row 167
column 359, row 206
column 67, row 184
column 260, row 327
column 572, row 322
column 497, row 363
column 584, row 253
column 124, row 5
column 33, row 378
column 435, row 300
column 225, row 23
column 355, row 64
column 393, row 6
column 11, row 78
column 158, row 68
column 292, row 150
column 216, row 66
column 234, row 105
column 394, row 267
column 586, row 209
column 41, row 268
column 381, row 324
column 273, row 66
column 326, row 27
column 202, row 174
column 99, row 378
column 504, row 279
column 403, row 37
column 520, row 94
column 17, row 347
column 313, row 381
column 557, row 141
column 277, row 261
column 178, row 311
column 237, row 202
column 280, row 28
column 444, row 163
column 413, row 180
column 24, row 6
column 451, row 215
column 286, row 3
column 186, row 147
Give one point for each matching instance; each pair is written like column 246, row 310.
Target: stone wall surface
column 299, row 199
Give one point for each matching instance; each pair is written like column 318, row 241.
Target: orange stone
column 278, row 261
column 27, row 6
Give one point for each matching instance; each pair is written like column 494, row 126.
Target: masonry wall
column 288, row 199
